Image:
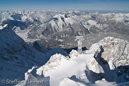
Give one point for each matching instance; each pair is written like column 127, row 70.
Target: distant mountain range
column 51, row 28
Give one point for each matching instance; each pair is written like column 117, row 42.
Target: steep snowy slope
column 16, row 56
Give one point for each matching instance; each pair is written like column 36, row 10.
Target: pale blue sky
column 120, row 5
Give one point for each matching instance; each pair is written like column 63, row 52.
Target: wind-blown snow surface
column 16, row 56
column 94, row 67
column 64, row 71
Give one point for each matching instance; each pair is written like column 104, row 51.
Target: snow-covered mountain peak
column 60, row 16
column 73, row 54
column 72, row 71
column 58, row 22
column 54, row 62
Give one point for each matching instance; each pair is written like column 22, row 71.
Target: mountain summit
column 92, row 67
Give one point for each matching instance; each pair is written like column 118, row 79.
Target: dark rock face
column 39, row 47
